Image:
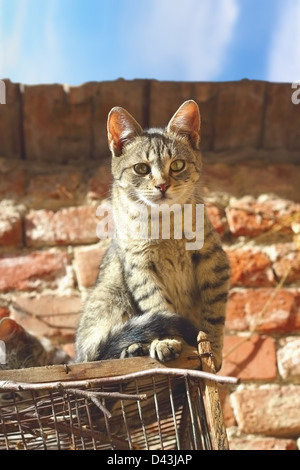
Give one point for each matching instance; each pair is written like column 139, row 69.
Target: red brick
column 218, row 177
column 53, row 190
column 288, row 357
column 12, row 181
column 250, row 268
column 266, row 178
column 228, row 416
column 272, row 410
column 86, row 263
column 10, row 227
column 261, row 443
column 57, row 123
column 32, row 271
column 70, row 226
column 48, row 315
column 288, row 266
column 239, row 114
column 263, row 310
column 99, row 184
column 216, row 218
column 249, row 359
column 10, row 122
column 250, row 217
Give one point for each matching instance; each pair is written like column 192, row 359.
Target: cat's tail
column 145, row 329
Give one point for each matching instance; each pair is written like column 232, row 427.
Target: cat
column 23, row 349
column 153, row 294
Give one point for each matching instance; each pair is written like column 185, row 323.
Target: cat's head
column 157, row 166
column 23, row 349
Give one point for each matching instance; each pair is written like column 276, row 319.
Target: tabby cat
column 153, row 293
column 23, row 349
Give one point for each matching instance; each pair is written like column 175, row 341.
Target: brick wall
column 55, row 171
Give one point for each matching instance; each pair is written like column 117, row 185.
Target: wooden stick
column 198, row 374
column 213, row 406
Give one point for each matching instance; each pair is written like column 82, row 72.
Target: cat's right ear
column 121, row 129
column 9, row 328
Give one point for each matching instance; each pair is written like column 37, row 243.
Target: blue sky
column 75, row 41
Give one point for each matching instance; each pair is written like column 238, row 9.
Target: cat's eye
column 177, row 165
column 141, row 169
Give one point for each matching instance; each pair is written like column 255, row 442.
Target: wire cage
column 91, row 406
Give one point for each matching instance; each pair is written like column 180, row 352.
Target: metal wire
column 173, row 415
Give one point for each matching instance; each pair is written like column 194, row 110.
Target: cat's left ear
column 121, row 129
column 186, row 121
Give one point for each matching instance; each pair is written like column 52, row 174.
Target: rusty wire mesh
column 154, row 411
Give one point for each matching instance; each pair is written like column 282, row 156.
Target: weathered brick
column 53, row 190
column 288, row 266
column 218, row 178
column 263, row 310
column 10, row 122
column 69, row 226
column 10, row 226
column 57, row 123
column 282, row 118
column 228, row 416
column 48, row 315
column 250, row 217
column 250, row 268
column 12, row 180
column 86, row 263
column 239, row 114
column 281, row 179
column 99, row 184
column 33, row 271
column 249, row 359
column 272, row 410
column 261, row 443
column 288, row 357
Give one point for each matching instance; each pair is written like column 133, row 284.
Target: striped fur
column 152, row 294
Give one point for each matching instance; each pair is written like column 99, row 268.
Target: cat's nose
column 162, row 187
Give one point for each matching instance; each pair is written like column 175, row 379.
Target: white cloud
column 284, row 58
column 188, row 38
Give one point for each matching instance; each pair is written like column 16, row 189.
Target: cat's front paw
column 135, row 349
column 166, row 349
